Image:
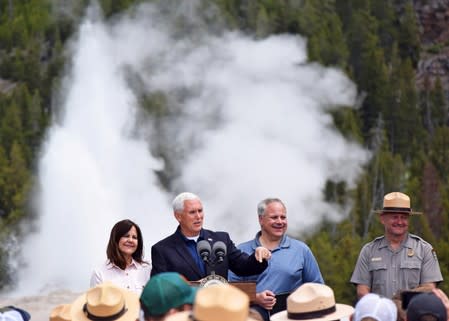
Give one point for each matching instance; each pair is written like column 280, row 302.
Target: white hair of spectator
column 376, row 307
column 178, row 202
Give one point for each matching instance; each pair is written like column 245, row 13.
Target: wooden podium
column 248, row 287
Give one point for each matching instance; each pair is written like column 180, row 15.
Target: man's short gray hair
column 262, row 206
column 178, row 202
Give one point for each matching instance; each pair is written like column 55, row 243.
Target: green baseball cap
column 165, row 291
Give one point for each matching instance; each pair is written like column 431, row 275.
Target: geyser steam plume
column 246, row 120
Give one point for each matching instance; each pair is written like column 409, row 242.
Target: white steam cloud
column 247, row 120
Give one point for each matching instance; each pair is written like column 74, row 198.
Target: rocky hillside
column 433, row 16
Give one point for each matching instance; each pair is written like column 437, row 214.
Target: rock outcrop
column 433, row 19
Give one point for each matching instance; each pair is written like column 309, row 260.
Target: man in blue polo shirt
column 292, row 262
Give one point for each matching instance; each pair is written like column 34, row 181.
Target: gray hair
column 178, row 202
column 262, row 206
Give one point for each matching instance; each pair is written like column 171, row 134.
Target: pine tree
column 16, row 179
column 439, row 109
column 384, row 12
column 440, row 152
column 319, row 22
column 432, row 199
column 409, row 124
column 409, row 42
column 368, row 66
column 11, row 126
column 263, row 23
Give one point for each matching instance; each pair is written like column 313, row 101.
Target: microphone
column 219, row 249
column 203, row 249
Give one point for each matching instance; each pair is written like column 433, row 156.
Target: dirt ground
column 39, row 307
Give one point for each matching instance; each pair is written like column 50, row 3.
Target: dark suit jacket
column 172, row 255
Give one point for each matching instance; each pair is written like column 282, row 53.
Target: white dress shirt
column 133, row 278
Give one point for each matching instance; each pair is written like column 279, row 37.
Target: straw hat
column 61, row 313
column 396, row 202
column 221, row 302
column 313, row 301
column 107, row 302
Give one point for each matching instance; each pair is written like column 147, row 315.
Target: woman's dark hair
column 113, row 253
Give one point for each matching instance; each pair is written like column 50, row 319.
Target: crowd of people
column 396, row 276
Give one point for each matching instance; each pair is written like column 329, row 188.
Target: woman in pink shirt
column 125, row 266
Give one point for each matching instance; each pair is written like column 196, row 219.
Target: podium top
column 248, row 287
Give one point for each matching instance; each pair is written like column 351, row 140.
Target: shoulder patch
column 434, row 254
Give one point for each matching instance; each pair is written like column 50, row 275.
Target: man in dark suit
column 178, row 252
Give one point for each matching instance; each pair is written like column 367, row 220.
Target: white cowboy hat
column 313, row 301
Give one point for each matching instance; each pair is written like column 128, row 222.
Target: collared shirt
column 387, row 271
column 292, row 264
column 191, row 245
column 133, row 278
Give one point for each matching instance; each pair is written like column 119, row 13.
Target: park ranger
column 398, row 260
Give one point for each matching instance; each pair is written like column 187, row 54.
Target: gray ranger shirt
column 386, row 271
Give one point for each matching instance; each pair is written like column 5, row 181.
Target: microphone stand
column 212, row 278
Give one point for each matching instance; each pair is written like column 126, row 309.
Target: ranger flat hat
column 397, row 202
column 61, row 312
column 106, row 302
column 219, row 302
column 313, row 301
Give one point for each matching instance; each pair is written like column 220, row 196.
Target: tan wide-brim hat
column 397, row 202
column 313, row 301
column 220, row 302
column 106, row 301
column 61, row 312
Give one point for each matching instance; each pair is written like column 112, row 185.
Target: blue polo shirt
column 292, row 264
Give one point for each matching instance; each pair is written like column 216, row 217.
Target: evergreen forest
column 378, row 45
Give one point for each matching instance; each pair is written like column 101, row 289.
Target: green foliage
column 11, row 126
column 367, row 65
column 319, row 22
column 440, row 151
column 433, row 105
column 435, row 48
column 337, row 254
column 230, row 10
column 408, row 37
column 5, row 270
column 348, row 124
column 113, row 7
column 263, row 23
column 442, row 251
column 385, row 14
